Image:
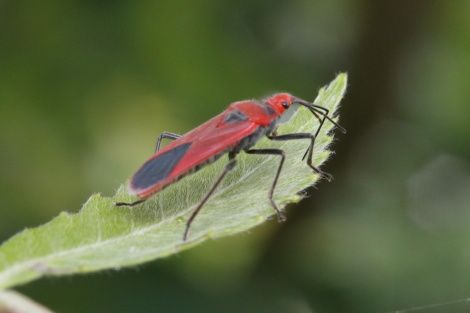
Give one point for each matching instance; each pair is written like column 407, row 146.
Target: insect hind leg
column 165, row 135
column 129, row 204
column 232, row 163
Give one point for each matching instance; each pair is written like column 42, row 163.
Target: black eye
column 285, row 105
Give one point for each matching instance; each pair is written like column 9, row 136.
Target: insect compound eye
column 285, row 105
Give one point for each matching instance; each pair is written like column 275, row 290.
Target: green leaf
column 103, row 236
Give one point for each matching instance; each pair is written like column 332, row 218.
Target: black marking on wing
column 157, row 169
column 235, row 116
column 267, row 108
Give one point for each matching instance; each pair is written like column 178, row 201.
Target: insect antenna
column 316, row 111
column 314, row 108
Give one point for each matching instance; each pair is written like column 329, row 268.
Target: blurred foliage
column 391, row 232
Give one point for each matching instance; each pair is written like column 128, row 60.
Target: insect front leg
column 309, row 152
column 230, row 165
column 281, row 153
column 165, row 135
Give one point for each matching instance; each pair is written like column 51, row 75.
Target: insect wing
column 201, row 145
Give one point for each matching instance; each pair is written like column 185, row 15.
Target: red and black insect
column 236, row 129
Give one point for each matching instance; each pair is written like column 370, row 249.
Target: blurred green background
column 87, row 86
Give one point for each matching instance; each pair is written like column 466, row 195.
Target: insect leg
column 166, row 135
column 280, row 152
column 131, row 204
column 309, row 152
column 230, row 165
column 314, row 108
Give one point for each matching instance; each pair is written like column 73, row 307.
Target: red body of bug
column 236, row 129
